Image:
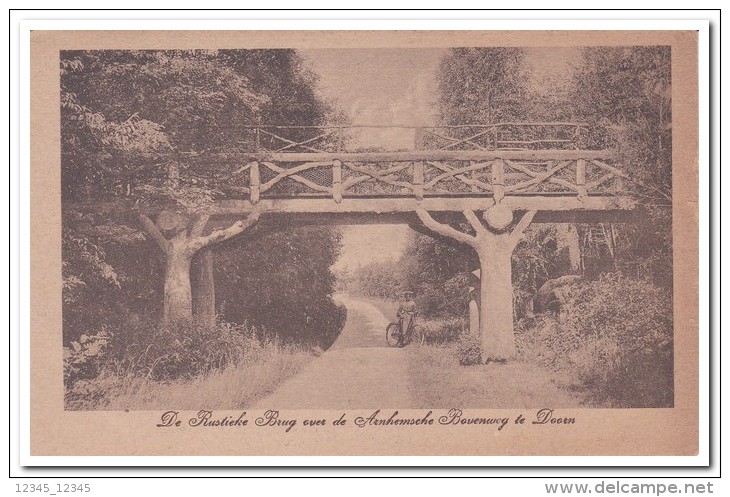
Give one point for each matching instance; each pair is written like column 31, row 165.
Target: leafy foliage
column 150, row 129
column 444, row 331
column 108, row 274
column 379, row 279
column 282, row 282
column 440, row 275
column 614, row 336
column 482, row 85
column 175, row 105
column 628, row 90
column 82, row 360
column 469, row 350
column 159, row 353
column 625, row 93
column 136, row 369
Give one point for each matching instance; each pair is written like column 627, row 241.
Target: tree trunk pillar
column 186, row 241
column 494, row 247
column 569, row 240
column 178, row 294
column 496, row 325
column 204, row 288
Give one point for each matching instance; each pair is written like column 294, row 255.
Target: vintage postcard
column 249, row 243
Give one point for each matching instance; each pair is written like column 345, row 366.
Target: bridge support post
column 203, row 287
column 496, row 327
column 187, row 241
column 494, row 248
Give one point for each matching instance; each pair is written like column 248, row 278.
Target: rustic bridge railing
column 495, row 161
column 426, row 173
column 498, row 136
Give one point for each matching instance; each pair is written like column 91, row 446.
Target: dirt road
column 359, row 371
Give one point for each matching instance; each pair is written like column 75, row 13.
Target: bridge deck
column 395, row 205
column 295, row 212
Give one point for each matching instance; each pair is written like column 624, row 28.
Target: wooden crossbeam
column 531, row 142
column 305, row 142
column 473, row 182
column 608, row 167
column 593, row 184
column 567, row 124
column 451, row 172
column 292, row 173
column 381, row 176
column 537, row 178
column 237, row 189
column 242, row 169
column 556, row 181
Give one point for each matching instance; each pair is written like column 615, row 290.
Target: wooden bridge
column 498, row 178
column 450, row 168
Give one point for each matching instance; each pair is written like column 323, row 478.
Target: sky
column 382, row 87
column 389, row 87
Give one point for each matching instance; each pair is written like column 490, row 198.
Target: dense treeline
column 136, row 127
column 285, row 287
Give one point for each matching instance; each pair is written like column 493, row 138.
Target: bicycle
column 414, row 331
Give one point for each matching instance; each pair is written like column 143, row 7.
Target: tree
column 179, row 249
column 494, row 250
column 628, row 91
column 439, row 273
column 482, row 85
column 123, row 152
column 148, row 131
column 479, row 86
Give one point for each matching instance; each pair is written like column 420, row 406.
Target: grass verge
column 237, row 386
column 441, row 382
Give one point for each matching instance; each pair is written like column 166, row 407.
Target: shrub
column 469, row 350
column 99, row 365
column 614, row 336
column 183, row 352
column 542, row 340
column 442, row 331
column 93, row 393
column 83, row 359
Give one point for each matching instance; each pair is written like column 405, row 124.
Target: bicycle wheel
column 392, row 334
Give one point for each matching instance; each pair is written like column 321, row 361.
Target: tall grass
column 234, row 387
column 194, row 367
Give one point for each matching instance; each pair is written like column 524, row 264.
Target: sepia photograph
column 354, row 228
column 460, row 235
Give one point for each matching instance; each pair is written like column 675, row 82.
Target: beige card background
column 56, row 432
